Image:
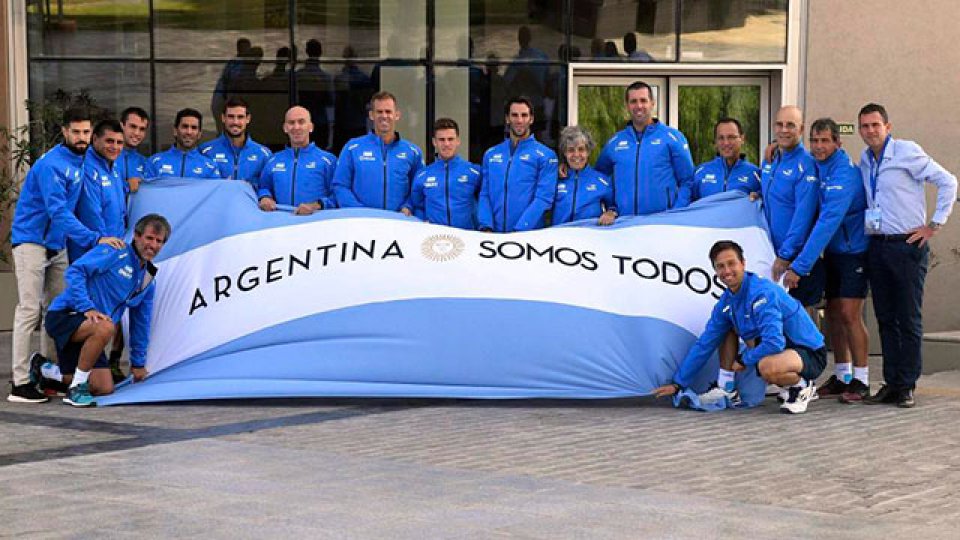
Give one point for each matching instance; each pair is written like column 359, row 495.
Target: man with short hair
column 132, row 165
column 730, row 170
column 838, row 235
column 42, row 221
column 300, row 174
column 101, row 206
column 377, row 170
column 519, row 176
column 445, row 192
column 782, row 343
column 893, row 173
column 100, row 287
column 649, row 162
column 183, row 159
column 236, row 155
column 788, row 184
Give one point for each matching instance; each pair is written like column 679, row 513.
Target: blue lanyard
column 875, row 171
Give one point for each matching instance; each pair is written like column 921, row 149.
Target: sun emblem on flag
column 442, row 247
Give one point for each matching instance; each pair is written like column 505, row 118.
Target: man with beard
column 42, row 221
column 183, row 159
column 235, row 154
column 132, row 165
column 101, row 286
column 519, row 176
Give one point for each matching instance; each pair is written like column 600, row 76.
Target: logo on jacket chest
column 367, row 155
column 709, row 179
column 126, row 272
column 279, row 167
column 430, row 182
column 496, row 158
column 198, row 170
column 311, row 165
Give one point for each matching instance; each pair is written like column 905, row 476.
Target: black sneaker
column 886, row 394
column 53, row 388
column 26, row 393
column 856, row 392
column 832, row 388
column 36, row 361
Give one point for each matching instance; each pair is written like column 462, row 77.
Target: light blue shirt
column 903, row 169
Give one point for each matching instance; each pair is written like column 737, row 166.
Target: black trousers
column 897, row 271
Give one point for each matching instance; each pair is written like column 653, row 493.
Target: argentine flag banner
column 368, row 303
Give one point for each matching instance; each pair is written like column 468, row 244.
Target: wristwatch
column 934, row 225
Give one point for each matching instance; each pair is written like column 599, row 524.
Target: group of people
column 833, row 227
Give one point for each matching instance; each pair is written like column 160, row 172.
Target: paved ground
column 460, row 469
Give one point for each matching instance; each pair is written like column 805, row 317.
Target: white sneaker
column 716, row 394
column 782, row 394
column 798, row 399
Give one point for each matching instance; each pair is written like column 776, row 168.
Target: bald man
column 299, row 175
column 789, row 187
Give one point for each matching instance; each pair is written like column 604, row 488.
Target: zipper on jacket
column 576, row 188
column 383, row 155
column 727, row 170
column 506, row 177
column 636, row 171
column 293, row 181
column 183, row 164
column 236, row 162
column 446, row 179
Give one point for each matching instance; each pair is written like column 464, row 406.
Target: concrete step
column 941, row 351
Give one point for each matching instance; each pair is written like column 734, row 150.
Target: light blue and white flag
column 361, row 302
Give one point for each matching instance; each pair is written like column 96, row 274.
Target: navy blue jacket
column 715, row 177
column 789, row 187
column 445, row 192
column 295, row 176
column 175, row 162
column 652, row 170
column 519, row 185
column 44, row 213
column 244, row 163
column 111, row 280
column 583, row 194
column 760, row 310
column 374, row 175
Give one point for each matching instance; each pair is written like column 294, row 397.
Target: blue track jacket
column 715, row 177
column 652, row 170
column 102, row 205
column 175, row 162
column 132, row 164
column 519, row 185
column 445, row 192
column 374, row 175
column 789, row 187
column 44, row 213
column 839, row 227
column 244, row 163
column 583, row 194
column 760, row 310
column 111, row 280
column 295, row 176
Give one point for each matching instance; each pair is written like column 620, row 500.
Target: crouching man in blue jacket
column 782, row 343
column 101, row 285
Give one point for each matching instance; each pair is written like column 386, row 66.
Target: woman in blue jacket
column 582, row 192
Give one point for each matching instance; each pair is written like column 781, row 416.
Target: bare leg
column 728, row 351
column 782, row 368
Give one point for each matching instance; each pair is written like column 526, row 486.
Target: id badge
column 871, row 220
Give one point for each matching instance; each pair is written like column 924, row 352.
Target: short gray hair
column 572, row 136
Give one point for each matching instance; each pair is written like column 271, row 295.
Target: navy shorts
column 814, row 361
column 846, row 275
column 61, row 325
column 810, row 290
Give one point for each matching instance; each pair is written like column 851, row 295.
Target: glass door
column 600, row 107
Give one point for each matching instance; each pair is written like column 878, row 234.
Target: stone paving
column 477, row 469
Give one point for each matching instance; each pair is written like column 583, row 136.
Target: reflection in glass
column 371, row 28
column 455, row 100
column 734, row 31
column 104, row 28
column 702, row 106
column 407, row 84
column 218, row 29
column 113, row 86
column 623, row 31
column 520, row 32
column 602, row 111
column 352, row 91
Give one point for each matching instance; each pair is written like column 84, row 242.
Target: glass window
column 637, row 31
column 734, row 31
column 221, row 29
column 371, row 29
column 112, row 86
column 104, row 28
column 528, row 32
column 700, row 106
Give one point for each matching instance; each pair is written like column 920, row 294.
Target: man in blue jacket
column 730, row 169
column 649, row 162
column 82, row 320
column 838, row 234
column 519, row 176
column 300, row 174
column 42, row 221
column 377, row 170
column 445, row 192
column 789, row 186
column 183, row 159
column 101, row 206
column 132, row 165
column 235, row 154
column 782, row 343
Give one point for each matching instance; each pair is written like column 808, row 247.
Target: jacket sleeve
column 415, row 168
column 416, row 194
column 484, row 208
column 923, row 167
column 327, row 199
column 91, row 201
column 54, row 193
column 544, row 195
column 607, row 197
column 605, row 160
column 804, row 213
column 683, row 169
column 754, row 185
column 265, row 183
column 716, row 330
column 343, row 181
column 140, row 328
column 837, row 198
column 770, row 321
column 93, row 262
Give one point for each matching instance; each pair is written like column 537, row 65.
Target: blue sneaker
column 79, row 396
column 36, row 361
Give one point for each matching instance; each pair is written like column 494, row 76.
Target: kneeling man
column 782, row 343
column 101, row 285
